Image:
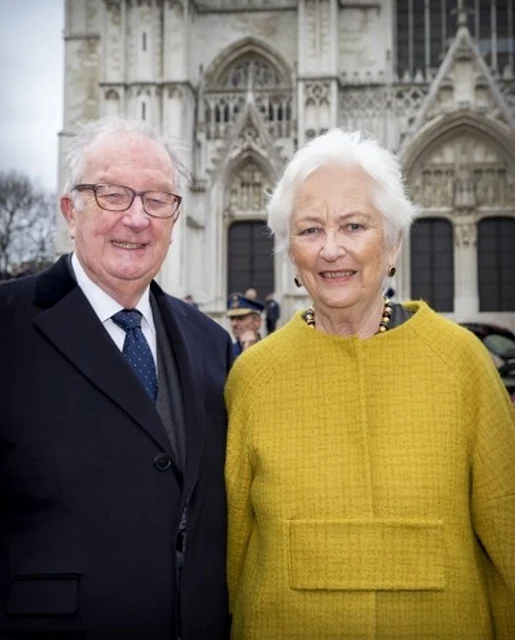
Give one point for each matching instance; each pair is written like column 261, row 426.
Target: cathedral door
column 250, row 258
column 432, row 263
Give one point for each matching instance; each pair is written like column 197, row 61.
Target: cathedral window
column 496, row 264
column 250, row 73
column 424, row 29
column 143, row 110
column 144, row 41
column 432, row 263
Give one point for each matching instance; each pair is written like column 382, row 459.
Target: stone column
column 466, row 298
column 178, row 105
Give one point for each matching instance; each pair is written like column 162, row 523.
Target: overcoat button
column 162, row 461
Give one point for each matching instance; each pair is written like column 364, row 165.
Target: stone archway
column 464, row 175
column 250, row 248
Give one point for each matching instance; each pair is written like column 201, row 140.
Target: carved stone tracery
column 317, row 108
column 465, row 234
column 247, row 191
column 249, row 75
column 364, row 108
column 318, row 26
column 463, row 173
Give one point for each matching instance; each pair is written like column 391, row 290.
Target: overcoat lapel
column 69, row 322
column 186, row 341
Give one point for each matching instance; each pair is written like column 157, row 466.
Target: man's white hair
column 84, row 135
column 344, row 148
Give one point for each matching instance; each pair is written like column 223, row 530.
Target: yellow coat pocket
column 367, row 554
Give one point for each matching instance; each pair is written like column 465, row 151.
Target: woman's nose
column 333, row 245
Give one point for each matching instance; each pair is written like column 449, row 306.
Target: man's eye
column 114, row 196
column 157, row 201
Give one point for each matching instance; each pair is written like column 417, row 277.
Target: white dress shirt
column 105, row 307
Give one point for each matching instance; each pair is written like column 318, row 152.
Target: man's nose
column 135, row 215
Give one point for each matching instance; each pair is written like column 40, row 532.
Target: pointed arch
column 250, row 247
column 435, row 134
column 460, row 168
column 248, row 177
column 247, row 48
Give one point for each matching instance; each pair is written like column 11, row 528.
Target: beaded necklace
column 309, row 317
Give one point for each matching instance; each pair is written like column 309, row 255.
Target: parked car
column 500, row 342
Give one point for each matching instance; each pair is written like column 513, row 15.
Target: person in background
column 245, row 317
column 370, row 462
column 272, row 313
column 251, row 293
column 112, row 419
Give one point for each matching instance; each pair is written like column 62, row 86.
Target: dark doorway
column 496, row 264
column 250, row 258
column 432, row 263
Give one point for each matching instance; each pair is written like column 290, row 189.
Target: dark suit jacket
column 93, row 512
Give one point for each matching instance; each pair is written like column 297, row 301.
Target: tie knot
column 127, row 319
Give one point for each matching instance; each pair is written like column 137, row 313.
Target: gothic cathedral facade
column 244, row 83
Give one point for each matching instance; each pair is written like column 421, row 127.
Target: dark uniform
column 273, row 313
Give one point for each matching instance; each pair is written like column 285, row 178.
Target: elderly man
column 244, row 314
column 112, row 421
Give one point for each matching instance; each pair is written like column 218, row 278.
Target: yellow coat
column 371, row 487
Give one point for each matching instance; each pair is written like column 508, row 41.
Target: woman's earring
column 391, row 272
column 297, row 281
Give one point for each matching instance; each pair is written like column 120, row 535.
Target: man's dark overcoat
column 95, row 517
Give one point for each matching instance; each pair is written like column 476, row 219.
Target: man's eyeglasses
column 112, row 197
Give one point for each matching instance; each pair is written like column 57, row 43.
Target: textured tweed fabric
column 371, row 487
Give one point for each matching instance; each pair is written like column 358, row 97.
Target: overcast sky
column 31, row 81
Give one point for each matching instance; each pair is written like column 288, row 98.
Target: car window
column 500, row 345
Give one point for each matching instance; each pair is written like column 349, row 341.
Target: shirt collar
column 102, row 303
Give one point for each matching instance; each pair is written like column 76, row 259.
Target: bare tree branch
column 27, row 225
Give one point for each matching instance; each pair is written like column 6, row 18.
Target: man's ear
column 69, row 213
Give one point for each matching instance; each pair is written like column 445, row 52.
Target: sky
column 31, row 87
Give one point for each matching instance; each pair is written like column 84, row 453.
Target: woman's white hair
column 344, row 148
column 85, row 133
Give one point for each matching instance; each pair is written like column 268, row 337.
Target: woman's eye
column 309, row 231
column 355, row 226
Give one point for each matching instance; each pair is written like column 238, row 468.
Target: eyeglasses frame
column 93, row 187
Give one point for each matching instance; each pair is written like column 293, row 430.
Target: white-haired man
column 112, row 421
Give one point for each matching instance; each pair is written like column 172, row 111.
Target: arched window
column 143, row 110
column 496, row 264
column 229, row 84
column 250, row 258
column 432, row 263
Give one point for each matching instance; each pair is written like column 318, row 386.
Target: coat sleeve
column 238, row 476
column 493, row 494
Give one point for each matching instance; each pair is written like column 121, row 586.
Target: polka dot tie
column 136, row 349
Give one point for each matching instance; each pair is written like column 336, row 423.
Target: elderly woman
column 371, row 452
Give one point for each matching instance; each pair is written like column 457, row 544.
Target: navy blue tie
column 136, row 349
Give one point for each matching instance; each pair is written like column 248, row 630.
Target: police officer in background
column 245, row 317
